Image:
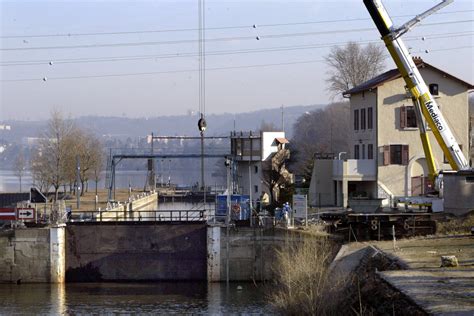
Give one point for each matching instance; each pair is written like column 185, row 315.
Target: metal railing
column 142, row 216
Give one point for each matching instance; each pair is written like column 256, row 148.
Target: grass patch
column 304, row 284
column 456, row 225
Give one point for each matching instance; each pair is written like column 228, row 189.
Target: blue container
column 221, row 205
column 240, row 206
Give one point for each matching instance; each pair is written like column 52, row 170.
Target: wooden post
column 394, row 239
column 379, row 229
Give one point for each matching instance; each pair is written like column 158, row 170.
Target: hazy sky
column 131, row 71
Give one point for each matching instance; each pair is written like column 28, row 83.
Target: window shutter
column 369, row 118
column 403, row 117
column 386, row 155
column 405, row 155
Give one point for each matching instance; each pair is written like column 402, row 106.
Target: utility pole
column 152, row 180
column 162, row 172
column 250, row 177
column 228, row 164
column 78, row 182
column 282, row 120
column 151, row 167
column 169, row 172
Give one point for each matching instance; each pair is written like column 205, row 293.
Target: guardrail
column 139, row 216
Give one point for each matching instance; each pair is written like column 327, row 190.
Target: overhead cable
column 194, row 70
column 216, row 53
column 211, row 28
column 154, row 43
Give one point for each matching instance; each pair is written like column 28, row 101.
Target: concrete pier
column 33, row 255
column 214, row 253
column 57, row 253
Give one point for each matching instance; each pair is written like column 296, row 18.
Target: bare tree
column 50, row 160
column 72, row 144
column 39, row 171
column 20, row 166
column 352, row 65
column 89, row 150
column 54, row 162
column 268, row 127
column 98, row 159
column 320, row 131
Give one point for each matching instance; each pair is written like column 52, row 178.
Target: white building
column 253, row 155
column 386, row 157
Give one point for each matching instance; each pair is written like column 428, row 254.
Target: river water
column 162, row 298
column 9, row 182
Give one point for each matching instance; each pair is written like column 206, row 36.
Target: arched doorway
column 420, row 183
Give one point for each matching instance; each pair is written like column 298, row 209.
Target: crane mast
column 415, row 83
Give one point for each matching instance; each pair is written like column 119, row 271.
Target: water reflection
column 58, row 299
column 151, row 298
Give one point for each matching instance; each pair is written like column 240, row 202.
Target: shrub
column 304, row 284
column 458, row 225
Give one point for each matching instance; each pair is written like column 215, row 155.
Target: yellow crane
column 423, row 101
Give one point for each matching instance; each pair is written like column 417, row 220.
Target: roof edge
column 393, row 74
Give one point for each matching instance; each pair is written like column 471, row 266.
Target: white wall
column 269, row 145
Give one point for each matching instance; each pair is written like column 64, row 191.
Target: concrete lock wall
column 124, row 211
column 249, row 252
column 33, row 255
column 136, row 251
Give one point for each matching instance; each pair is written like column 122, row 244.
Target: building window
column 408, row 117
column 356, row 151
column 370, row 151
column 363, row 151
column 369, row 118
column 362, row 118
column 356, row 120
column 434, row 89
column 445, row 159
column 255, row 188
column 395, row 155
column 256, row 169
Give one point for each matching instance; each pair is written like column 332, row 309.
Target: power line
column 427, row 51
column 218, row 53
column 194, row 70
column 167, row 72
column 211, row 28
column 214, row 39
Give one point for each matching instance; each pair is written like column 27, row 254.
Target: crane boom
column 414, row 81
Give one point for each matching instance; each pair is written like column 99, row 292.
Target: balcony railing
column 355, row 168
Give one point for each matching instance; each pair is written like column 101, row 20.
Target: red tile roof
column 282, row 140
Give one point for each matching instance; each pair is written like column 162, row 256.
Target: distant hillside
column 122, row 127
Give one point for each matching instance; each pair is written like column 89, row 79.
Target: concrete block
column 7, row 254
column 449, row 261
column 40, row 234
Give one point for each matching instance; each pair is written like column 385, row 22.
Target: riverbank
column 406, row 278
